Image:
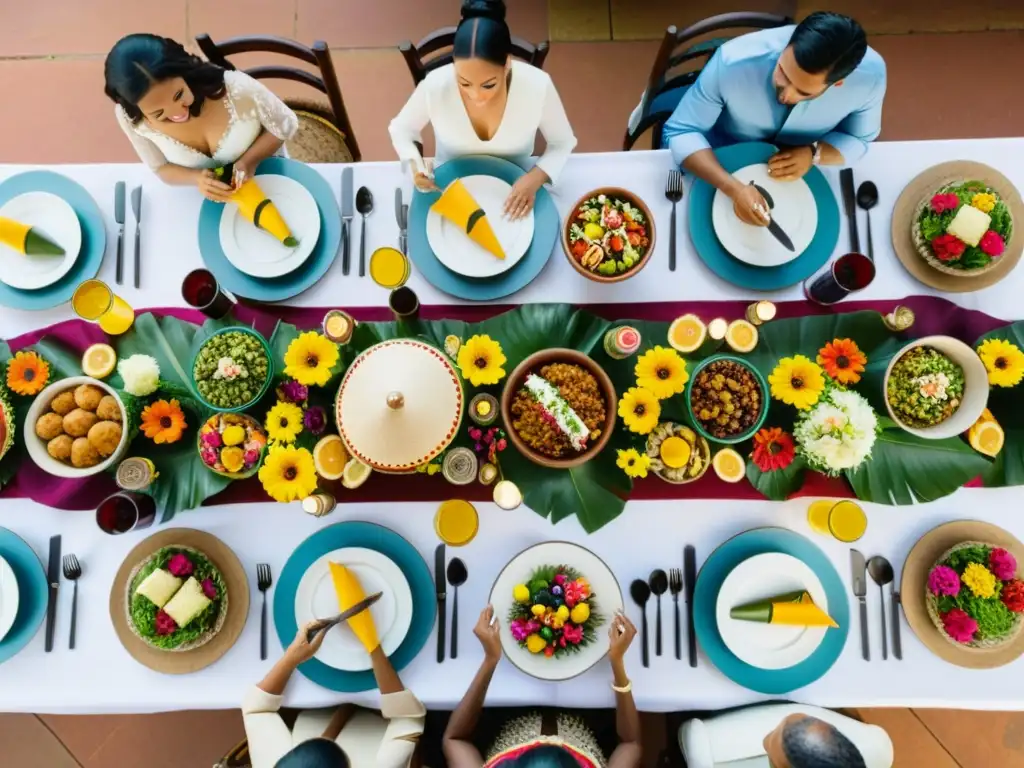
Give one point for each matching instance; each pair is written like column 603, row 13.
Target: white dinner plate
column 260, row 254
column 51, row 216
column 392, row 614
column 462, row 255
column 795, row 212
column 768, row 646
column 9, row 598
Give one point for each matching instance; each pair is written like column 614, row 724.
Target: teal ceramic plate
column 705, row 596
column 94, row 238
column 367, row 536
column 32, row 589
column 545, row 234
column 294, row 283
column 702, row 232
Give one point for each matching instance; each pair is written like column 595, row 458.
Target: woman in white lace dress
column 186, row 117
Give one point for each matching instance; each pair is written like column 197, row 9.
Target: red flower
column 773, row 449
column 165, row 625
column 549, row 651
column 947, row 202
column 1013, row 595
column 992, row 244
column 573, row 634
column 948, row 247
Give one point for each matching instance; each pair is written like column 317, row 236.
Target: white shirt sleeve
column 405, row 715
column 250, row 96
column 148, row 152
column 557, row 133
column 407, row 128
column 268, row 735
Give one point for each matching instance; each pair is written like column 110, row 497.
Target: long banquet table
column 99, row 676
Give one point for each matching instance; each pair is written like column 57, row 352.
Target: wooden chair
column 325, row 132
column 436, row 47
column 666, row 85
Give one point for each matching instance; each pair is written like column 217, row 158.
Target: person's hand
column 520, row 199
column 243, row 171
column 487, row 634
column 300, row 650
column 791, row 164
column 212, row 188
column 424, row 180
column 620, row 636
column 750, row 207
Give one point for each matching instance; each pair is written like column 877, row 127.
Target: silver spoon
column 659, row 586
column 867, row 198
column 880, row 571
column 641, row 593
column 457, row 575
column 364, row 204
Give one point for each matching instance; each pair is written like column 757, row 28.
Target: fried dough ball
column 83, row 454
column 64, row 403
column 60, row 447
column 88, row 397
column 79, row 421
column 105, row 436
column 108, row 409
column 49, row 425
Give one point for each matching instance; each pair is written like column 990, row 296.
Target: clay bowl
column 621, row 194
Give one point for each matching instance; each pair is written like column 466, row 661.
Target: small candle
column 761, row 312
column 717, row 328
column 900, row 319
column 136, row 473
column 507, row 495
column 319, row 504
column 338, row 326
column 483, row 409
column 459, row 467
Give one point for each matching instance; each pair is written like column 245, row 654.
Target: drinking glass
column 389, row 268
column 94, row 301
column 201, row 290
column 848, row 274
column 125, row 511
column 404, row 303
column 843, row 520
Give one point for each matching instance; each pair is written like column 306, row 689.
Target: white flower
column 141, row 374
column 838, row 433
column 228, row 369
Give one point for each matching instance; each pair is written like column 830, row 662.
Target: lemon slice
column 99, row 361
column 330, row 457
column 356, row 473
column 686, row 334
column 729, row 465
column 987, row 437
column 675, row 452
column 741, row 336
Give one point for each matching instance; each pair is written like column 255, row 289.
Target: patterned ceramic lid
column 399, row 405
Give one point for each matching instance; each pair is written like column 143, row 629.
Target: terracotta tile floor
column 52, row 72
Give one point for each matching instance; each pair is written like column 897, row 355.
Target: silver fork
column 72, row 570
column 674, row 192
column 675, row 586
column 263, row 580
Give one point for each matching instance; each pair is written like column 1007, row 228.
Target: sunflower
column 480, row 360
column 662, row 371
column 633, row 463
column 284, row 422
column 163, row 421
column 842, row 360
column 773, row 449
column 640, row 410
column 310, row 358
column 797, row 381
column 288, row 473
column 1003, row 361
column 27, row 373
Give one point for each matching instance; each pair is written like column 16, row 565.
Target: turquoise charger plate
column 732, row 270
column 94, row 238
column 32, row 593
column 721, row 562
column 545, row 234
column 294, row 283
column 369, row 536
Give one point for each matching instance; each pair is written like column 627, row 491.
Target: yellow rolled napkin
column 350, row 592
column 458, row 206
column 256, row 207
column 793, row 608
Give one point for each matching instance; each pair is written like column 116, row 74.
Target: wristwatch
column 816, row 148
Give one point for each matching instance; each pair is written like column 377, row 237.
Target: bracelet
column 624, row 689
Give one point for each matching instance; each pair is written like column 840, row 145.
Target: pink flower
column 208, row 455
column 573, row 593
column 560, row 579
column 948, row 247
column 315, row 420
column 209, row 589
column 212, row 439
column 165, row 625
column 293, row 392
column 519, row 631
column 959, row 625
column 1002, row 564
column 573, row 634
column 179, row 565
column 251, row 457
column 943, row 580
column 992, row 244
column 502, row 444
column 475, row 433
column 947, row 202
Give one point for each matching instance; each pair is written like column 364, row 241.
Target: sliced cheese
column 159, row 587
column 187, row 603
column 969, row 224
column 350, row 592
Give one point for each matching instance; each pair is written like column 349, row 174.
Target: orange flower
column 163, row 422
column 27, row 373
column 842, row 360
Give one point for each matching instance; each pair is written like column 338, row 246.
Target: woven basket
column 931, row 603
column 924, row 247
column 318, row 140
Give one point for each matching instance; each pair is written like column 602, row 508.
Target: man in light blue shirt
column 815, row 89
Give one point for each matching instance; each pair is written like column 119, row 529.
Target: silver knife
column 348, row 204
column 440, row 584
column 400, row 218
column 773, row 227
column 405, row 229
column 355, row 610
column 137, row 213
column 897, row 646
column 858, row 572
column 119, row 218
column 53, row 577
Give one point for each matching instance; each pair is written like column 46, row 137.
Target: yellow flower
column 980, row 579
column 521, row 593
column 580, row 613
column 284, row 422
column 233, row 435
column 538, row 610
column 633, row 463
column 640, row 410
column 232, row 458
column 562, row 612
column 662, row 371
column 288, row 473
column 310, row 358
column 1003, row 361
column 27, row 373
column 797, row 381
column 984, row 201
column 536, row 643
column 480, row 360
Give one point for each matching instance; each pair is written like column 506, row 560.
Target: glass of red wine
column 848, row 274
column 125, row 511
column 404, row 303
column 201, row 290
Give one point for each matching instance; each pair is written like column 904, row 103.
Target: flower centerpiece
column 838, row 432
column 554, row 612
column 232, row 445
column 974, row 596
column 963, row 228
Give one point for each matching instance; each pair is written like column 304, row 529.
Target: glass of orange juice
column 456, row 522
column 844, row 520
column 389, row 268
column 94, row 301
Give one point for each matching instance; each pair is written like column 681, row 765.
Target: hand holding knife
column 355, row 610
column 777, row 232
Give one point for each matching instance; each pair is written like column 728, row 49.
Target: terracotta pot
column 622, row 194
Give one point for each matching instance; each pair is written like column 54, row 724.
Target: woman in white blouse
column 484, row 103
column 186, row 117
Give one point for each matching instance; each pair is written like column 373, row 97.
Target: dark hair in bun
column 483, row 33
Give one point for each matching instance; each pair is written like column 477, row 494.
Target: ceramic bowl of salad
column 609, row 235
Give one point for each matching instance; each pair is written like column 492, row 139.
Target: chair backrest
column 666, row 84
column 434, row 51
column 318, row 55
